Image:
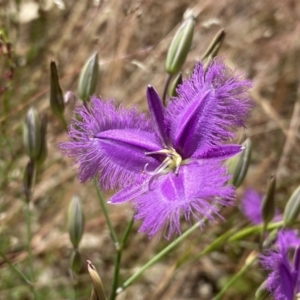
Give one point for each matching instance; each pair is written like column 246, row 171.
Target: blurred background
column 132, row 37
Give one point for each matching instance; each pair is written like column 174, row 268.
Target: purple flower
column 251, row 207
column 170, row 164
column 283, row 280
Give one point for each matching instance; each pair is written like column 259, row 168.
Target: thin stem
column 28, row 224
column 166, row 86
column 126, row 232
column 237, row 276
column 17, row 270
column 29, row 249
column 253, row 230
column 118, row 260
column 228, row 237
column 116, row 275
column 105, row 211
column 157, row 257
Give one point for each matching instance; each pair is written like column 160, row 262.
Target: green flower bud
column 98, row 291
column 43, row 149
column 262, row 292
column 180, row 46
column 214, row 47
column 268, row 203
column 88, row 78
column 32, row 133
column 75, row 221
column 177, row 81
column 56, row 94
column 238, row 164
column 292, row 208
column 29, row 179
column 76, row 261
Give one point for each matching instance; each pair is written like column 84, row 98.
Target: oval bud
column 180, row 46
column 177, row 81
column 268, row 203
column 76, row 261
column 238, row 164
column 56, row 94
column 75, row 221
column 32, row 133
column 88, row 78
column 292, row 208
column 98, row 291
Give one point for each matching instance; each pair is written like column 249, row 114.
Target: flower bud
column 238, row 164
column 292, row 208
column 180, row 46
column 56, row 94
column 75, row 221
column 177, row 81
column 29, row 179
column 98, row 291
column 268, row 203
column 262, row 292
column 214, row 47
column 43, row 149
column 32, row 133
column 76, row 261
column 88, row 78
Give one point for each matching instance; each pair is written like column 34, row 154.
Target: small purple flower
column 251, row 207
column 283, row 281
column 170, row 164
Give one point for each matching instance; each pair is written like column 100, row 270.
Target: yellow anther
column 172, row 162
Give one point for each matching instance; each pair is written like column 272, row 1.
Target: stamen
column 162, row 151
column 172, row 162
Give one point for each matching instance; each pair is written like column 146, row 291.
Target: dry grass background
column 132, row 38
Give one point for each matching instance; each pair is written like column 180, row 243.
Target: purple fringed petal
column 285, row 290
column 282, row 279
column 132, row 191
column 157, row 112
column 291, row 237
column 195, row 193
column 218, row 103
column 219, row 153
column 95, row 155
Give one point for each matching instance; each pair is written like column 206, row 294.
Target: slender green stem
column 105, row 211
column 116, row 275
column 237, row 276
column 118, row 260
column 166, row 86
column 157, row 257
column 29, row 249
column 29, row 234
column 126, row 232
column 253, row 230
column 17, row 270
column 225, row 238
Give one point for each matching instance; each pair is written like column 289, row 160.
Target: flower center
column 172, row 162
